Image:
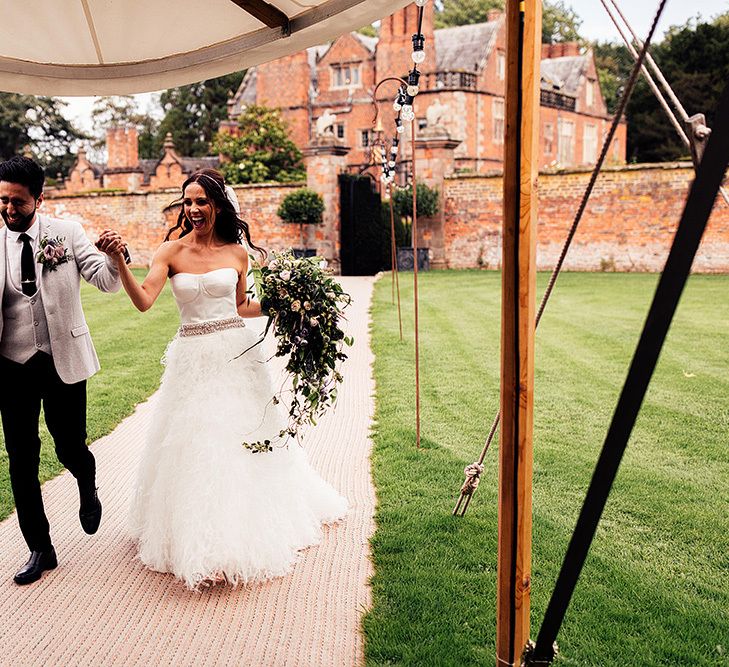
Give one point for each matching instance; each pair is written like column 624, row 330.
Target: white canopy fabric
column 119, row 47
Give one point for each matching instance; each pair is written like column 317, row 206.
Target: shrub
column 303, row 206
column 402, row 201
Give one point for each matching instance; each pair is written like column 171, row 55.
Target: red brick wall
column 395, row 45
column 352, row 106
column 285, row 83
column 627, row 226
column 143, row 218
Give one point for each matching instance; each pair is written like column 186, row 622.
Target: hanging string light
column 405, row 113
column 403, row 104
column 405, row 96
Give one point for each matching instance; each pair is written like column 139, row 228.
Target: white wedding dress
column 203, row 505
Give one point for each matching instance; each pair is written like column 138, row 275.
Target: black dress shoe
column 90, row 512
column 39, row 562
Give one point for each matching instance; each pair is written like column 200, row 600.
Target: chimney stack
column 122, row 146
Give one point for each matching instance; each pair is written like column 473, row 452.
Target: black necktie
column 27, row 267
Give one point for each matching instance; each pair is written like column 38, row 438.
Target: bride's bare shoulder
column 169, row 249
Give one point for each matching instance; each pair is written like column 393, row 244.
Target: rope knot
column 473, row 476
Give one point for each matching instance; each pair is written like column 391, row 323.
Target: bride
column 205, row 508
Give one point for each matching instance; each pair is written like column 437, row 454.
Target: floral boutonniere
column 52, row 252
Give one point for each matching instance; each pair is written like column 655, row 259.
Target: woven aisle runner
column 101, row 607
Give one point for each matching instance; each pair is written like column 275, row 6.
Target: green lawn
column 654, row 590
column 130, row 345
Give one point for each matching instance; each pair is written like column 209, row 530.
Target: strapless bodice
column 206, row 296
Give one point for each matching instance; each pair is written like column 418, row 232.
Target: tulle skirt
column 203, row 505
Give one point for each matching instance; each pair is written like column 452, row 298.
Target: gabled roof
column 563, row 74
column 314, row 54
column 245, row 95
column 149, row 166
column 96, row 169
column 370, row 43
column 465, row 47
column 188, row 164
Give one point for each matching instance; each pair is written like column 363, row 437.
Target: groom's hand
column 111, row 243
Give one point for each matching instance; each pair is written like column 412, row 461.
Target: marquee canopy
column 117, row 47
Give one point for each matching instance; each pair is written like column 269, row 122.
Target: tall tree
column 559, row 22
column 695, row 61
column 263, row 150
column 37, row 123
column 192, row 113
column 614, row 65
column 463, row 12
column 368, row 31
column 124, row 110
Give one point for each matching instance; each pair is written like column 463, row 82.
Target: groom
column 46, row 353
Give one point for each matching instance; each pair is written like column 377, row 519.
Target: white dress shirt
column 14, row 248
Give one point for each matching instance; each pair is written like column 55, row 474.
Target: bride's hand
column 111, row 243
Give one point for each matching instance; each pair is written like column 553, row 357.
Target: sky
column 595, row 26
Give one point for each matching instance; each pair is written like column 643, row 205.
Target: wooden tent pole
column 395, row 275
column 414, row 234
column 523, row 52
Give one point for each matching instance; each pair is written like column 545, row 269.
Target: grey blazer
column 73, row 352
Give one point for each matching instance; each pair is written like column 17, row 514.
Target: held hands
column 111, row 243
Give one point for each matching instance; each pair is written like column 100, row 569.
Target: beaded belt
column 211, row 326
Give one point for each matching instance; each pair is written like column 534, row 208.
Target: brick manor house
column 461, row 89
column 461, row 98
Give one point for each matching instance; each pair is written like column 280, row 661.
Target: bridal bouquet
column 304, row 304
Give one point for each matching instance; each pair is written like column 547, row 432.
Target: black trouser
column 22, row 389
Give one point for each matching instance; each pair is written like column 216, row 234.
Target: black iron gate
column 364, row 230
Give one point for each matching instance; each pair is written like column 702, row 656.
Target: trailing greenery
column 653, row 590
column 306, row 305
column 303, row 206
column 262, row 151
column 130, row 345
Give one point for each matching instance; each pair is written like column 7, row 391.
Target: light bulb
column 391, row 163
column 396, row 104
column 407, row 114
column 421, row 3
column 418, row 55
column 400, row 129
column 393, row 150
column 414, row 77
